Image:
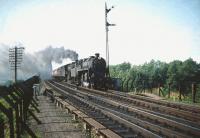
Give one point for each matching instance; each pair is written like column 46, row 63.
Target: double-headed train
column 90, row 72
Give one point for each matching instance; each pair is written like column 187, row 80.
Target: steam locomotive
column 89, row 72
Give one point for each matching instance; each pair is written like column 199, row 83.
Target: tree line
column 179, row 75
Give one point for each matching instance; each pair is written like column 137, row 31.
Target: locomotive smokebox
column 96, row 55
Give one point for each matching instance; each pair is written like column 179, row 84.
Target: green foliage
column 121, row 70
column 173, row 73
column 3, row 118
column 4, row 103
column 182, row 73
column 156, row 73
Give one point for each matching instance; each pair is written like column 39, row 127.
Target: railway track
column 159, row 125
column 180, row 106
column 163, row 108
column 122, row 127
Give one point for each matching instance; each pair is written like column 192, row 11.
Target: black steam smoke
column 37, row 63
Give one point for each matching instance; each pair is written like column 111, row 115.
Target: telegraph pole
column 15, row 59
column 107, row 25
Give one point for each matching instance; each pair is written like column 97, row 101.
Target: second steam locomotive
column 90, row 72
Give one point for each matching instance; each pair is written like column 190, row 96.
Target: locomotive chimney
column 97, row 55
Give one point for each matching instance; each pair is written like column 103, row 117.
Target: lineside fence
column 15, row 103
column 184, row 90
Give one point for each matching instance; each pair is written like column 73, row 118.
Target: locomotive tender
column 89, row 72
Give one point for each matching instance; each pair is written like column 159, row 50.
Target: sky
column 163, row 30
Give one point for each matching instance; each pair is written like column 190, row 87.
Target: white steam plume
column 37, row 63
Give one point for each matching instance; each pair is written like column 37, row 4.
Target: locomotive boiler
column 88, row 72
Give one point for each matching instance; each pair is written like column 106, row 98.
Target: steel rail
column 151, row 106
column 160, row 120
column 138, row 129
